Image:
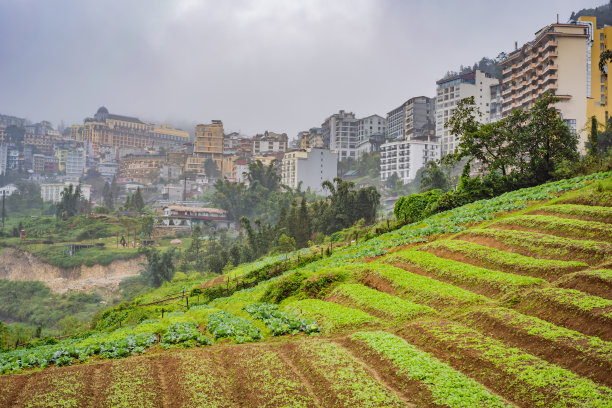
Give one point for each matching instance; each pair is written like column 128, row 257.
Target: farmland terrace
column 500, row 303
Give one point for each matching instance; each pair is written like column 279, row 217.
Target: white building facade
column 3, row 158
column 75, row 162
column 341, row 134
column 450, row 91
column 406, row 157
column 311, row 167
column 52, row 192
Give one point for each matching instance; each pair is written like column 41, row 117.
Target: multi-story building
column 208, row 145
column 414, row 119
column 556, row 61
column 8, row 190
column 495, row 112
column 75, row 162
column 311, row 167
column 406, row 157
column 340, row 134
column 370, row 128
column 52, row 192
column 228, row 167
column 141, row 168
column 450, row 91
column 242, row 171
column 13, row 158
column 599, row 91
column 106, row 129
column 270, row 142
column 6, row 121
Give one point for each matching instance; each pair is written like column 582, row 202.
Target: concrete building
column 495, row 113
column 75, row 162
column 108, row 169
column 52, row 192
column 208, row 145
column 191, row 216
column 311, row 167
column 370, row 127
column 414, row 119
column 406, row 157
column 8, row 190
column 141, row 168
column 558, row 60
column 450, row 91
column 270, row 142
column 340, row 133
column 242, row 171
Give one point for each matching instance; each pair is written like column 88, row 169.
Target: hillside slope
column 505, row 302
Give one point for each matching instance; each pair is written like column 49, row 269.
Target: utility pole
column 3, row 210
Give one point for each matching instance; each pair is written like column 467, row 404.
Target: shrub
column 412, row 208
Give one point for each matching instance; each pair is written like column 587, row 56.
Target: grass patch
column 595, row 213
column 330, row 316
column 555, row 225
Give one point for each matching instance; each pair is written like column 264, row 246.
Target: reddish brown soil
column 592, row 323
column 411, row 391
column 378, row 283
column 589, row 284
column 167, row 377
column 564, row 354
column 10, row 387
column 471, row 363
column 557, row 233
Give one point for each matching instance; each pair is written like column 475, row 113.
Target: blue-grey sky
column 280, row 65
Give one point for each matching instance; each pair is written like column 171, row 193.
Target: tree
column 210, row 169
column 146, row 225
column 137, row 200
column 107, row 196
column 392, row 181
column 231, row 197
column 593, row 138
column 286, row 244
column 265, row 176
column 71, row 202
column 160, row 266
column 303, row 230
column 434, row 178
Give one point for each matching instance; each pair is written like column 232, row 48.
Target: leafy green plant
column 225, row 325
column 280, row 322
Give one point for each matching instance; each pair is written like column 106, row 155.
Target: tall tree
column 137, row 200
column 434, row 178
column 593, row 138
column 211, row 169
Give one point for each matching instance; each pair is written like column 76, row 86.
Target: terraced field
column 514, row 311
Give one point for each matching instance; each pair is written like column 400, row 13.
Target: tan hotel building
column 208, row 145
column 557, row 61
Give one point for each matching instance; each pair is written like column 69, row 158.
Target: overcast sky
column 279, row 65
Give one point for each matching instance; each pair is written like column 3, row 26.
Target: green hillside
column 503, row 302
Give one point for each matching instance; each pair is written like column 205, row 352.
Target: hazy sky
column 280, row 65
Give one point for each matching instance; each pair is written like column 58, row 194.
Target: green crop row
column 462, row 273
column 532, row 326
column 587, row 229
column 280, row 322
column 422, row 289
column 576, row 299
column 330, row 315
column 603, row 274
column 539, row 380
column 505, row 260
column 597, row 213
column 448, row 387
column 380, row 302
column 203, row 384
column 548, row 245
column 132, row 386
column 349, row 384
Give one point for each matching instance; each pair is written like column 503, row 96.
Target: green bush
column 412, row 208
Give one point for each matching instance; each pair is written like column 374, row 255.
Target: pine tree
column 304, row 226
column 593, row 148
column 137, row 200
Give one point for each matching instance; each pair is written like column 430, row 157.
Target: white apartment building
column 406, row 157
column 8, row 190
column 75, row 161
column 311, row 167
column 52, row 192
column 370, row 128
column 270, row 142
column 341, row 134
column 450, row 91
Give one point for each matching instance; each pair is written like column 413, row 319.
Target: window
column 603, row 79
column 603, row 88
column 601, row 37
column 601, row 46
column 603, row 98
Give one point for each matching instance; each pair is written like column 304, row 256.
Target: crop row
column 447, row 386
column 202, row 380
column 595, row 213
column 132, row 386
column 380, row 302
column 422, row 289
column 280, row 322
column 330, row 315
column 528, row 377
column 529, row 326
column 547, row 246
column 573, row 227
column 466, row 274
column 349, row 385
column 225, row 325
column 504, row 260
column 576, row 299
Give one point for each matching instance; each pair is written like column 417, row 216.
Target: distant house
column 191, row 216
column 8, row 190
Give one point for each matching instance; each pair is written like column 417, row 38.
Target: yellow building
column 597, row 102
column 106, row 129
column 229, row 167
column 61, row 154
column 555, row 61
column 141, row 168
column 208, row 145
